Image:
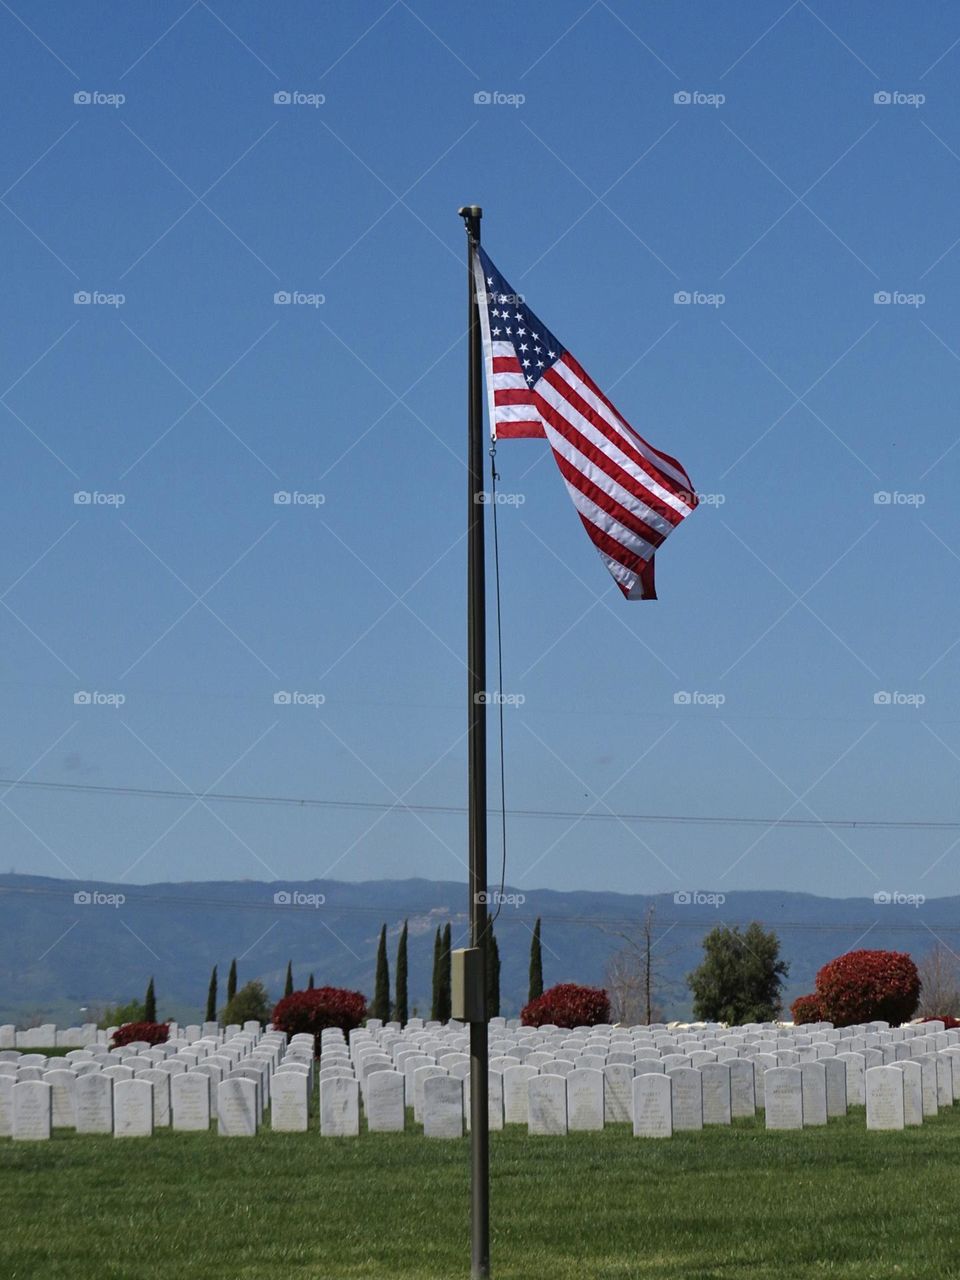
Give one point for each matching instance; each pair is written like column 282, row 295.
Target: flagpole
column 477, row 767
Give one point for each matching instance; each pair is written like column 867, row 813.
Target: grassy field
column 735, row 1202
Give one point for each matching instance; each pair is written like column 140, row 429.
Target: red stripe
column 506, row 364
column 615, row 550
column 514, row 395
column 585, row 377
column 606, row 464
column 519, row 430
column 607, row 504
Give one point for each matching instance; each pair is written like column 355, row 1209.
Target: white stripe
column 636, row 506
column 566, row 410
column 503, row 349
column 479, row 288
column 518, row 413
column 509, row 382
column 613, row 528
column 620, row 572
column 615, row 421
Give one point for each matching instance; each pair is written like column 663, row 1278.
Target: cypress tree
column 310, row 983
column 536, row 964
column 435, row 997
column 150, row 1004
column 381, row 986
column 400, row 1010
column 445, row 977
column 288, row 985
column 492, row 976
column 232, row 981
column 212, row 997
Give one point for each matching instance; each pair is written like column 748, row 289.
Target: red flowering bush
column 806, row 1009
column 145, row 1032
column 862, row 986
column 568, row 1005
column 314, row 1010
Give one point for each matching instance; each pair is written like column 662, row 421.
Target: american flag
column 629, row 495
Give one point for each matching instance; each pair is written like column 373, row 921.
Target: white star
column 524, row 347
column 539, row 364
column 502, row 298
column 536, row 337
column 518, row 316
column 551, row 354
column 489, row 279
column 526, row 364
column 494, row 332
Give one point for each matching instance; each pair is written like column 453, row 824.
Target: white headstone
column 161, row 1095
column 585, row 1099
column 783, row 1097
column 237, row 1107
column 190, row 1101
column 443, row 1107
column 814, row 1078
column 912, row 1092
column 289, row 1102
column 884, row 1087
column 547, row 1105
column 32, row 1110
column 93, row 1103
column 652, row 1106
column 716, row 1093
column 618, row 1093
column 855, row 1066
column 836, row 1070
column 384, row 1102
column 339, row 1108
column 6, row 1105
column 687, row 1096
column 515, row 1093
column 64, row 1084
column 132, row 1109
column 743, row 1093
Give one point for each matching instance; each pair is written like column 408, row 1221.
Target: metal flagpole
column 476, row 719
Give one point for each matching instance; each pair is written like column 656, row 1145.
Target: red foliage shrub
column 949, row 1022
column 865, row 985
column 806, row 1009
column 314, row 1010
column 147, row 1032
column 568, row 1005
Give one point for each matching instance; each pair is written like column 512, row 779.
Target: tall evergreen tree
column 310, row 983
column 445, row 976
column 536, row 964
column 288, row 985
column 232, row 981
column 381, row 986
column 435, row 995
column 400, row 1011
column 212, row 997
column 492, row 973
column 150, row 1004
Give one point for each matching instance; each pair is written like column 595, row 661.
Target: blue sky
column 791, row 594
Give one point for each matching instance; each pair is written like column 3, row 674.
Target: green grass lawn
column 724, row 1203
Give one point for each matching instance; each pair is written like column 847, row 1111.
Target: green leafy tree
column 117, row 1015
column 536, row 965
column 288, row 985
column 435, row 996
column 444, row 993
column 250, row 1002
column 232, row 981
column 381, row 987
column 492, row 973
column 150, row 1004
column 400, row 1008
column 740, row 977
column 211, row 1014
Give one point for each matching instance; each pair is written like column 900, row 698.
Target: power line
column 309, row 802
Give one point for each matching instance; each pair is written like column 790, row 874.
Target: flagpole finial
column 470, row 211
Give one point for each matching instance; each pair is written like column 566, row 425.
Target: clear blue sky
column 797, row 597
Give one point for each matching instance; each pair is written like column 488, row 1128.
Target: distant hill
column 58, row 955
